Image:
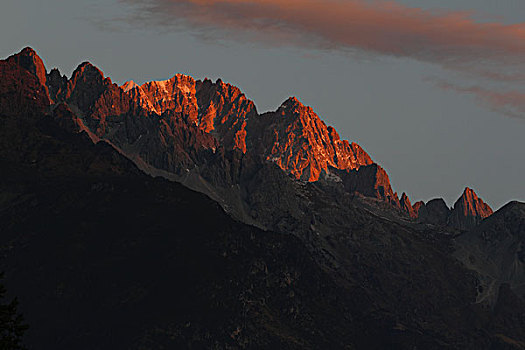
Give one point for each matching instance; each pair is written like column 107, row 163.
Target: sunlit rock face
column 469, row 210
column 293, row 137
column 22, row 84
column 337, row 274
column 225, row 112
column 176, row 94
column 299, row 142
column 29, row 60
column 217, row 108
column 21, row 91
column 181, row 124
column 146, row 120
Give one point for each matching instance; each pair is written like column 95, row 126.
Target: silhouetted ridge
column 189, row 114
column 434, row 212
column 313, row 249
column 294, row 137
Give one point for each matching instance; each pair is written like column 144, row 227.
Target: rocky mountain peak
column 292, row 102
column 434, row 212
column 173, row 115
column 176, row 94
column 299, row 142
column 293, row 108
column 128, row 85
column 29, row 51
column 87, row 71
column 294, row 137
column 469, row 210
column 225, row 112
column 83, row 90
column 471, row 204
column 406, row 206
column 339, row 272
column 22, row 87
column 29, row 59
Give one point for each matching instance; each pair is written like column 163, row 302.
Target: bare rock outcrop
column 469, row 210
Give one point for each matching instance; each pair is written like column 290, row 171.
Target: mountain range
column 173, row 213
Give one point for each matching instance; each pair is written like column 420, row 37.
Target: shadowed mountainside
column 496, row 249
column 124, row 260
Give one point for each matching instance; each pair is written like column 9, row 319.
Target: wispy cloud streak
column 484, row 51
column 509, row 103
column 451, row 39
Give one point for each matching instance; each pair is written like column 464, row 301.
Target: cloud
column 479, row 50
column 453, row 40
column 509, row 103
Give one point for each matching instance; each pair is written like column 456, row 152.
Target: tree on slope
column 12, row 327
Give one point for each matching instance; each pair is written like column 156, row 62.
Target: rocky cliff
column 434, row 211
column 300, row 143
column 92, row 239
column 193, row 131
column 496, row 250
column 140, row 121
column 406, row 206
column 469, row 210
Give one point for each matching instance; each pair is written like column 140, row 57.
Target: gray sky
column 416, row 98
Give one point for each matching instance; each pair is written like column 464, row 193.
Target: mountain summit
column 300, row 243
column 144, row 122
column 469, row 210
column 180, row 127
column 29, row 59
column 188, row 130
column 300, row 143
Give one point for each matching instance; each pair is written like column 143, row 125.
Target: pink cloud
column 452, row 39
column 491, row 51
column 510, row 103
